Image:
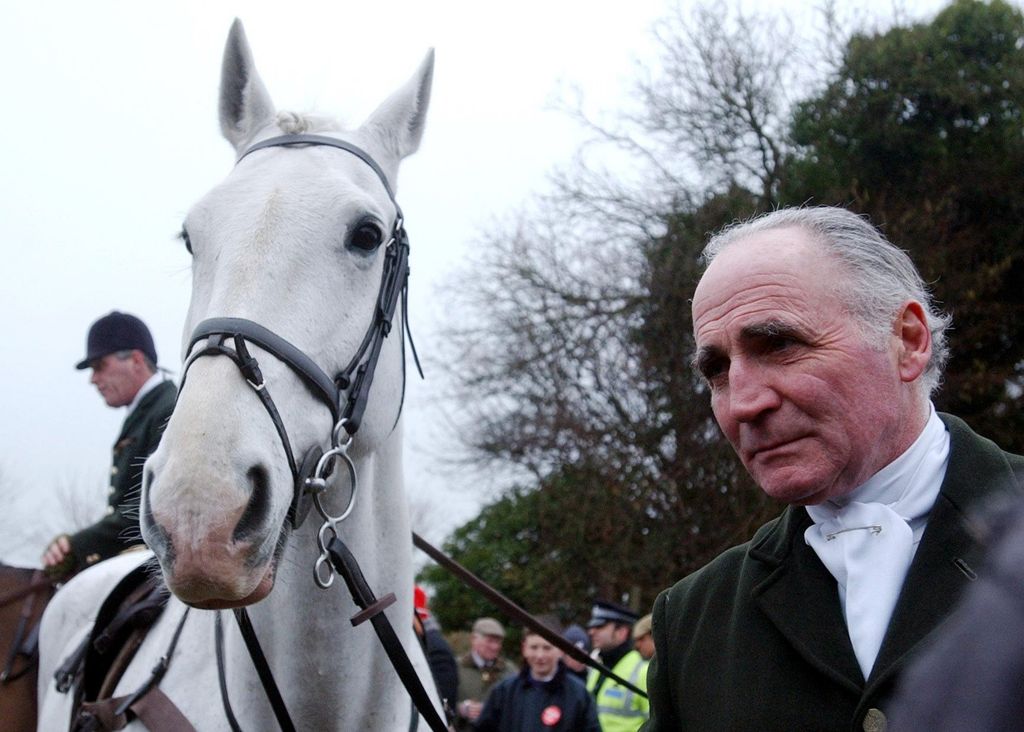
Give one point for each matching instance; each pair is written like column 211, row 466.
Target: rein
column 516, row 612
column 345, row 395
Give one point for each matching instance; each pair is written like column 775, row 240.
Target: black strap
column 394, row 279
column 263, row 669
column 306, row 368
column 158, row 670
column 518, row 613
column 288, row 140
column 218, row 632
column 372, row 609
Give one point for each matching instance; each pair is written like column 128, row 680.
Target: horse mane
column 294, row 123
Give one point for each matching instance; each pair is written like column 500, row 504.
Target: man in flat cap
column 619, row 709
column 480, row 670
column 122, row 356
column 642, row 640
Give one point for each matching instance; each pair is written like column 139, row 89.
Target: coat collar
column 800, row 597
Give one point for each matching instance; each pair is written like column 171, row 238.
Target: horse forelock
column 294, row 123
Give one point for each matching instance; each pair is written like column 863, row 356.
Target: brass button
column 92, row 559
column 874, row 721
column 110, row 510
column 110, row 490
column 113, row 470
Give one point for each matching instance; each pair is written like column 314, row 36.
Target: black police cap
column 610, row 612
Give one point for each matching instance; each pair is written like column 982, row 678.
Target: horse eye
column 184, row 237
column 367, row 236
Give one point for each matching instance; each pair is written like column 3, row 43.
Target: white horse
column 293, row 239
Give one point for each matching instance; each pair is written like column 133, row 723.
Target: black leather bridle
column 345, row 394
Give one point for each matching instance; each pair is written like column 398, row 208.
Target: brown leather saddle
column 91, row 673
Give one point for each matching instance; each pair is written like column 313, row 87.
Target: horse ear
column 245, row 105
column 400, row 120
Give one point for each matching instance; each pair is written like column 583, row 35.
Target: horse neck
column 315, row 652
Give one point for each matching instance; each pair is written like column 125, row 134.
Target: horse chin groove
column 207, row 594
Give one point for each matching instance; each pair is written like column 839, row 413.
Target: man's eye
column 782, row 343
column 714, row 372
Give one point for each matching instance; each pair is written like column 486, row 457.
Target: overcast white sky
column 110, row 133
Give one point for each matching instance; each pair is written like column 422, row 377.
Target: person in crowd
column 480, row 670
column 619, row 708
column 543, row 697
column 970, row 677
column 121, row 353
column 642, row 639
column 439, row 654
column 579, row 638
column 820, row 346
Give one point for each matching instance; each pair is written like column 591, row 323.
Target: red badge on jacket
column 550, row 716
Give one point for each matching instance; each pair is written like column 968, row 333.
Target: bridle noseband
column 345, row 394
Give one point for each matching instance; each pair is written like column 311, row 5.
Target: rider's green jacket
column 618, row 708
column 140, row 434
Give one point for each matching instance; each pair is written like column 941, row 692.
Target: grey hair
column 881, row 276
column 125, row 354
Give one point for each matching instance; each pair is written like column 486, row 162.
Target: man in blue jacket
column 543, row 697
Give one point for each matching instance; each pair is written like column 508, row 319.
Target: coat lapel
column 947, row 556
column 800, row 598
column 141, row 408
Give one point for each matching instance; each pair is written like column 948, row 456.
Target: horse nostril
column 155, row 535
column 258, row 509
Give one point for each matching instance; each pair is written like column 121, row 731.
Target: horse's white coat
column 270, row 246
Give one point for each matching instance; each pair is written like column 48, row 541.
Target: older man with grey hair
column 820, row 346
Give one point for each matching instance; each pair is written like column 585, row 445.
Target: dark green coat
column 756, row 639
column 119, row 527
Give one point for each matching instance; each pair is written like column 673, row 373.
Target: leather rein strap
column 515, row 611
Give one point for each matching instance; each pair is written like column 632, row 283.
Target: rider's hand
column 58, row 549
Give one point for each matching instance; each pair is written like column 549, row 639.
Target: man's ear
column 915, row 341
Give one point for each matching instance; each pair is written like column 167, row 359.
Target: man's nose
column 751, row 392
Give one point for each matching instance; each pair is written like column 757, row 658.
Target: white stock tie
column 868, row 550
column 868, row 544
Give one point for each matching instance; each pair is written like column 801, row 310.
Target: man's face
column 645, row 645
column 811, row 406
column 486, row 646
column 606, row 637
column 117, row 379
column 540, row 656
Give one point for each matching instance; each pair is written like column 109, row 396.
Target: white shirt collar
column 920, row 469
column 151, row 383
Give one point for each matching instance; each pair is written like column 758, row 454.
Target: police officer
column 122, row 356
column 618, row 708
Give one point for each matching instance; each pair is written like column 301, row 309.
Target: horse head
column 295, row 242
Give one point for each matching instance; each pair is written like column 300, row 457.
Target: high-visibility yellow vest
column 618, row 708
